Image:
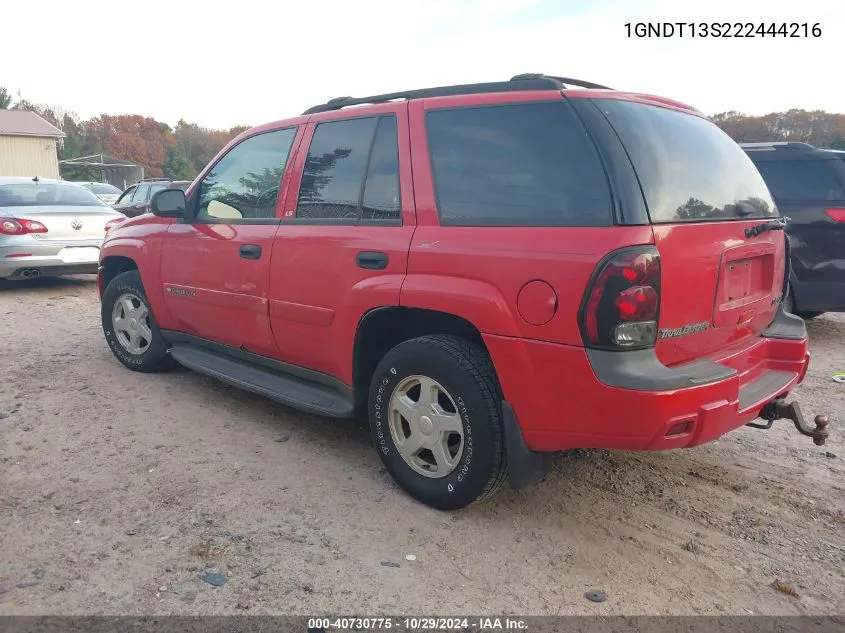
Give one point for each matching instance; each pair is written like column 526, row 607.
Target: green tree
column 177, row 167
column 5, row 99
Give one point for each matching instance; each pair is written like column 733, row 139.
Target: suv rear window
column 689, row 170
column 528, row 164
column 796, row 180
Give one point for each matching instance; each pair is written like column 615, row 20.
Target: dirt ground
column 118, row 490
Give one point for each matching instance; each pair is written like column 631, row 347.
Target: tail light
column 621, row 307
column 14, row 226
column 113, row 223
column 837, row 215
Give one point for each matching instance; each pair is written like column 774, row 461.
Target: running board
column 292, row 391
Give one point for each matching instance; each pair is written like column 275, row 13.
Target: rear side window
column 689, row 170
column 352, row 172
column 528, row 164
column 796, row 180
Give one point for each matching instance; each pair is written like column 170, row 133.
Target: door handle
column 371, row 260
column 250, row 251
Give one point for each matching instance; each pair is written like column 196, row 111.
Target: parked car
column 50, row 227
column 103, row 190
column 136, row 199
column 490, row 273
column 808, row 185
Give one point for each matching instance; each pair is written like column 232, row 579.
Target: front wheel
column 435, row 416
column 129, row 326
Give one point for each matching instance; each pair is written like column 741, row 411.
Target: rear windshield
column 103, row 188
column 46, row 195
column 803, row 180
column 689, row 170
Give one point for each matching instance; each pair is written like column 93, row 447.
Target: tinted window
column 516, row 165
column 44, row 194
column 689, row 169
column 154, row 188
column 127, row 196
column 381, row 191
column 245, row 183
column 335, row 168
column 141, row 193
column 802, row 179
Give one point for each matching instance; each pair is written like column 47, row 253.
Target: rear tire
column 808, row 315
column 436, row 420
column 129, row 326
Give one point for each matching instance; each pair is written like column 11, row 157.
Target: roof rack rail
column 775, row 145
column 525, row 81
column 154, row 180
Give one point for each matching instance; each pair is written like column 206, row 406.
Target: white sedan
column 50, row 227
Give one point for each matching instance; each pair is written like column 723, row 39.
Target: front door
column 215, row 264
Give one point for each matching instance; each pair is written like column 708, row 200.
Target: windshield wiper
column 775, row 225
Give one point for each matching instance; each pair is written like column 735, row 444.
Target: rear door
column 342, row 247
column 811, row 192
column 718, row 285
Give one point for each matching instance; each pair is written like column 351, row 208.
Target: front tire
column 436, row 420
column 129, row 326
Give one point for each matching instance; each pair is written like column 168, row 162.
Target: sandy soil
column 118, row 490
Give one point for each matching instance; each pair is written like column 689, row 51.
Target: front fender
column 142, row 243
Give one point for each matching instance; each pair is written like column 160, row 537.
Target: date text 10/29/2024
column 722, row 29
column 480, row 624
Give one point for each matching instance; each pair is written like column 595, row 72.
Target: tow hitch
column 778, row 409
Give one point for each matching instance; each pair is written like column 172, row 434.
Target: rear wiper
column 775, row 225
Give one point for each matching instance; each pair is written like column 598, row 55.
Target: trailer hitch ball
column 821, row 421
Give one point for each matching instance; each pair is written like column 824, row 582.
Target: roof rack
column 154, row 180
column 525, row 81
column 776, row 145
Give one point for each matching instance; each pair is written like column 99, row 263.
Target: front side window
column 527, row 164
column 141, row 193
column 352, row 172
column 244, row 184
column 127, row 196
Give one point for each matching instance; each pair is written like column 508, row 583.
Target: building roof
column 26, row 123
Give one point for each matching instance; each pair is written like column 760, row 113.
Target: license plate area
column 77, row 254
column 746, row 282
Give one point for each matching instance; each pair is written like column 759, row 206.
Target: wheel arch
column 381, row 329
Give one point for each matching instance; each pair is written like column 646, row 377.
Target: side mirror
column 168, row 203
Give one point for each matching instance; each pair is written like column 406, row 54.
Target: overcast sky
column 221, row 63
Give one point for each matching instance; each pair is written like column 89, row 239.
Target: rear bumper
column 562, row 401
column 49, row 258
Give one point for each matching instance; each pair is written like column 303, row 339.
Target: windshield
column 36, row 194
column 689, row 170
column 103, row 188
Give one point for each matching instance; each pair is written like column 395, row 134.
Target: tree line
column 180, row 153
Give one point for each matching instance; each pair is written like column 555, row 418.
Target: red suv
column 490, row 273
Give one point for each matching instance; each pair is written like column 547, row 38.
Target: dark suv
column 808, row 185
column 136, row 199
column 488, row 273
